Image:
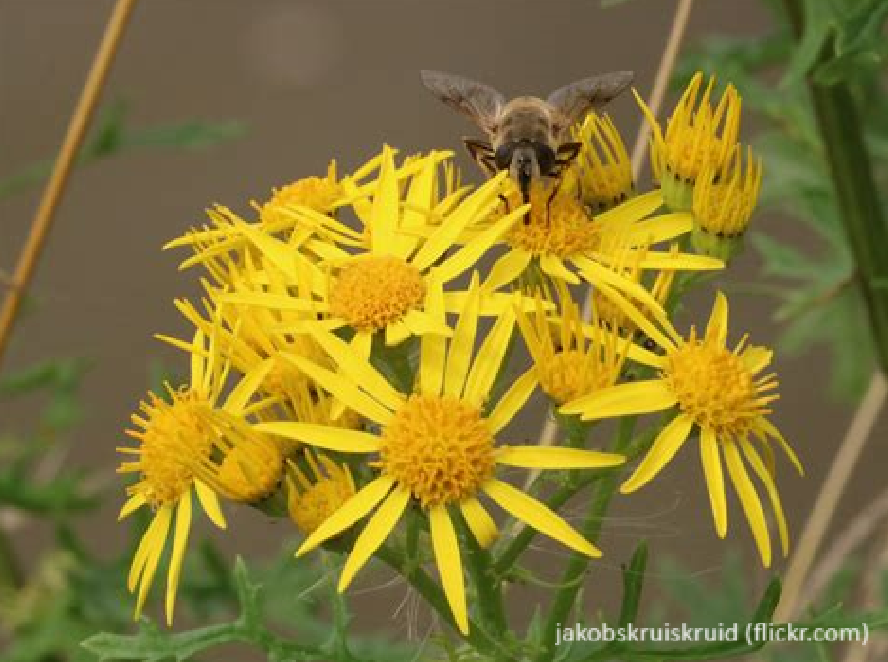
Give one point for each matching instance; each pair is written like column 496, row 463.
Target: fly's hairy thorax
column 525, row 119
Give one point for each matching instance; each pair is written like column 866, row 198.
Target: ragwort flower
column 385, row 287
column 175, row 438
column 698, row 138
column 722, row 393
column 436, row 447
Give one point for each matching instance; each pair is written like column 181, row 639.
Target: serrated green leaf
column 150, row 645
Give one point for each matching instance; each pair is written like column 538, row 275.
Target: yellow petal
column 246, row 388
column 374, row 534
column 385, row 213
column 556, row 457
column 323, row 436
column 513, row 400
column 507, row 269
column 660, row 228
column 489, row 359
column 554, row 266
column 177, row 558
column 752, row 506
column 343, row 389
column 679, row 261
column 459, row 355
column 622, row 400
column 771, row 431
column 396, row 332
column 479, row 520
column 132, row 504
column 197, row 360
column 633, row 209
column 449, row 564
column 358, row 369
column 718, row 320
column 664, row 449
column 157, row 531
column 349, row 512
column 153, row 541
column 765, row 476
column 210, row 504
column 756, row 359
column 538, row 516
column 630, row 310
column 362, row 344
column 447, row 233
column 598, row 275
column 274, row 302
column 433, row 347
column 420, row 323
column 715, row 480
column 468, row 255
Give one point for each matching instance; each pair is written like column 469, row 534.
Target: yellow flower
column 436, row 447
column 318, row 193
column 295, row 213
column 614, row 318
column 723, row 204
column 174, row 438
column 395, row 285
column 723, row 394
column 314, row 494
column 559, row 239
column 602, row 172
column 560, row 242
column 697, row 138
column 573, row 358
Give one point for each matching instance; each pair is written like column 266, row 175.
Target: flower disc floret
column 714, row 386
column 571, row 374
column 559, row 226
column 175, row 436
column 372, row 292
column 439, row 448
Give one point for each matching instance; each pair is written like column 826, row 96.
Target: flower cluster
column 351, row 363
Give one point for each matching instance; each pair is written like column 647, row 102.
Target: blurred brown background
column 311, row 81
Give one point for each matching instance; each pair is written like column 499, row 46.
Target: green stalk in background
column 849, row 161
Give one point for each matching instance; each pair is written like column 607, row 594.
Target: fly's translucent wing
column 480, row 102
column 574, row 101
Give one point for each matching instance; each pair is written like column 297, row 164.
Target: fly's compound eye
column 503, row 156
column 545, row 157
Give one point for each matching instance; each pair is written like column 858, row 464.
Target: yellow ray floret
column 722, row 393
column 437, row 448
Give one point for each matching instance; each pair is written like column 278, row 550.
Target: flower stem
column 487, row 584
column 52, row 195
column 572, row 580
column 841, row 130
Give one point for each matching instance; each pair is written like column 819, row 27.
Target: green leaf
column 52, row 374
column 819, row 25
column 111, row 136
column 150, row 645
